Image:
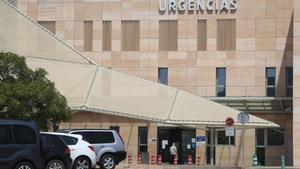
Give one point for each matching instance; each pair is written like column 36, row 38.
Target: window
column 130, row 35
column 289, row 82
column 5, row 135
column 24, row 135
column 88, row 36
column 226, row 34
column 106, row 36
column 143, row 139
column 270, row 81
column 168, row 35
column 116, row 128
column 202, row 35
column 260, row 137
column 47, row 140
column 69, row 140
column 275, row 136
column 221, row 82
column 51, row 141
column 163, row 76
column 49, row 25
column 270, row 137
column 97, row 137
column 224, row 140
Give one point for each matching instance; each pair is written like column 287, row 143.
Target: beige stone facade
column 266, row 36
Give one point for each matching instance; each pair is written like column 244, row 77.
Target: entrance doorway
column 184, row 140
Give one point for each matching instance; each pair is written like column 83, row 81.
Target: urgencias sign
column 198, row 5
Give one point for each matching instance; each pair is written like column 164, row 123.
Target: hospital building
column 171, row 71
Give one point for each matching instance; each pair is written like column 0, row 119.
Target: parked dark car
column 20, row 146
column 55, row 151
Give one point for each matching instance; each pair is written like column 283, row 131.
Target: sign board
column 200, row 138
column 200, row 141
column 243, row 118
column 164, row 143
column 193, row 140
column 229, row 121
column 197, row 5
column 229, row 131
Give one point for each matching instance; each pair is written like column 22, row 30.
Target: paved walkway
column 122, row 166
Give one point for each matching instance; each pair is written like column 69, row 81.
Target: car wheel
column 82, row 163
column 55, row 164
column 24, row 165
column 108, row 161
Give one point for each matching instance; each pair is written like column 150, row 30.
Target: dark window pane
column 97, row 137
column 208, row 151
column 271, row 81
column 51, row 141
column 260, row 152
column 260, row 137
column 221, row 82
column 163, row 76
column 24, row 135
column 289, row 82
column 289, row 92
column 224, row 140
column 143, row 139
column 47, row 140
column 221, row 76
column 289, row 72
column 275, row 136
column 271, row 91
column 69, row 140
column 221, row 91
column 116, row 128
column 208, row 137
column 143, row 149
column 143, row 135
column 5, row 135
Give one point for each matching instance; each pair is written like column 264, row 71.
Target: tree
column 27, row 94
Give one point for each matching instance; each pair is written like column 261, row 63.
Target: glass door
column 188, row 145
column 211, row 147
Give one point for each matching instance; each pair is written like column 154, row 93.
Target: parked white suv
column 82, row 152
column 108, row 145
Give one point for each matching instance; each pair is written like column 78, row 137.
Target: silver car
column 108, row 145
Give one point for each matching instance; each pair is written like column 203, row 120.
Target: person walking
column 173, row 152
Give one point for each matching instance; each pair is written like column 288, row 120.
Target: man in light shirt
column 173, row 152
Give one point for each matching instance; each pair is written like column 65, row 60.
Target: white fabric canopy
column 90, row 87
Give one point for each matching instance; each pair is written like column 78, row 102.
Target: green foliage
column 29, row 95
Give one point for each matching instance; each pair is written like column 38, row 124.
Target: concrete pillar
column 296, row 99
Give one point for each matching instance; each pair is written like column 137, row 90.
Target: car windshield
column 69, row 140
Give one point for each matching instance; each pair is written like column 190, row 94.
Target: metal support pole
column 211, row 146
column 229, row 150
column 243, row 144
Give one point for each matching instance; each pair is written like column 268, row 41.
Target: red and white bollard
column 139, row 159
column 198, row 160
column 153, row 160
column 159, row 160
column 190, row 160
column 129, row 159
column 176, row 160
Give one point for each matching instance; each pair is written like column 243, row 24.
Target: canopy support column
column 211, row 130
